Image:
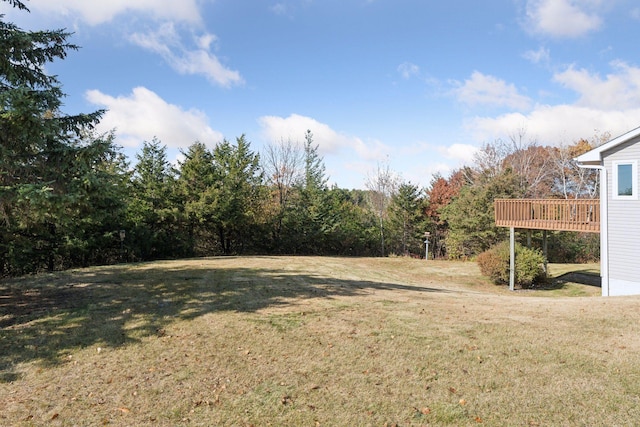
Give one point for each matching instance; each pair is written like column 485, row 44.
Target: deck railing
column 549, row 214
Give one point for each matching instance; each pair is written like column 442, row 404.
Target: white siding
column 623, row 287
column 624, row 224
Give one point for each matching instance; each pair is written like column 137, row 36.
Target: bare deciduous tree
column 283, row 165
column 570, row 180
column 382, row 184
column 528, row 161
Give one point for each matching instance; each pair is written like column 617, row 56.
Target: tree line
column 69, row 197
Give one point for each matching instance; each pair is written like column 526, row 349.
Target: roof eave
column 595, row 155
column 592, row 157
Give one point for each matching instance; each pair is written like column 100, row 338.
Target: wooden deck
column 549, row 214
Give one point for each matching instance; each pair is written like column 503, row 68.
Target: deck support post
column 545, row 251
column 512, row 258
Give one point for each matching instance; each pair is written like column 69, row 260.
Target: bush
column 494, row 263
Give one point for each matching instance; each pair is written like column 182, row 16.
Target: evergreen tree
column 40, row 149
column 239, row 180
column 313, row 209
column 348, row 226
column 197, row 188
column 153, row 211
column 314, row 169
column 221, row 190
column 470, row 215
column 407, row 220
column 98, row 188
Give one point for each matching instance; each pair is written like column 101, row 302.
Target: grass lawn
column 313, row 341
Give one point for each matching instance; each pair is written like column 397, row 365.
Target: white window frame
column 634, row 180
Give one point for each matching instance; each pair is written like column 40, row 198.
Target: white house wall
column 623, row 227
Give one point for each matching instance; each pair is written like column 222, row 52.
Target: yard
column 313, row 341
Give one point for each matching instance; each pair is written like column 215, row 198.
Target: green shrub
column 494, row 263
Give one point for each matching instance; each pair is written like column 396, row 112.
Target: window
column 625, row 179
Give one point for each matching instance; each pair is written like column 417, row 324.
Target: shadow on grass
column 582, row 277
column 44, row 318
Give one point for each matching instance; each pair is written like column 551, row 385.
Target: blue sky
column 419, row 85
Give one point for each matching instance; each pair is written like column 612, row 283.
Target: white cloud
column 143, row 114
column 159, row 42
column 279, row 9
column 348, row 157
column 294, row 127
column 421, row 173
column 604, row 104
column 539, row 56
column 205, row 41
column 617, row 91
column 194, row 59
column 408, row 70
column 462, row 153
column 329, row 141
column 433, row 169
column 351, row 158
column 563, row 18
column 483, row 89
column 98, row 12
column 457, row 152
column 167, row 43
column 552, row 125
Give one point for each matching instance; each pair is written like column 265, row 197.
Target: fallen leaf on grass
column 286, row 400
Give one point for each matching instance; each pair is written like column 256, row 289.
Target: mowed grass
column 312, row 341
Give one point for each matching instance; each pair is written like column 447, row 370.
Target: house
column 617, row 161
